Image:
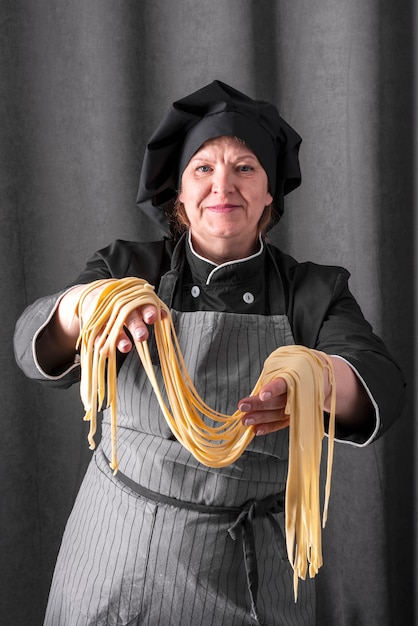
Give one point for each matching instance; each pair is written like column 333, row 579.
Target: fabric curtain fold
column 83, row 86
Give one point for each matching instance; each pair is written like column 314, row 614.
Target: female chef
column 167, row 540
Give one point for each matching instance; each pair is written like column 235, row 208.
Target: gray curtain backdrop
column 83, row 84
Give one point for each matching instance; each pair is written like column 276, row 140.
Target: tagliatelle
column 219, row 445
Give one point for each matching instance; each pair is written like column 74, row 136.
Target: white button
column 195, row 291
column 248, row 297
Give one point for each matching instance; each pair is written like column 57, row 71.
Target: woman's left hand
column 265, row 412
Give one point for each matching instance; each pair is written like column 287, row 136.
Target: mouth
column 223, row 208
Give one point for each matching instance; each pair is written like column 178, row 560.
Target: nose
column 222, row 180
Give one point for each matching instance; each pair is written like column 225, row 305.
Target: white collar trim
column 227, row 263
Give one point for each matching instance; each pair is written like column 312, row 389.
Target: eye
column 245, row 168
column 203, row 169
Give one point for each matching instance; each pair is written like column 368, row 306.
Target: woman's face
column 224, row 190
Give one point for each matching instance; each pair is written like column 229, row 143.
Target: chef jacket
column 322, row 312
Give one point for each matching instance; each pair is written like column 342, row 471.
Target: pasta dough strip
column 215, row 446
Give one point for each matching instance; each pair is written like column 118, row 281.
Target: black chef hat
column 214, row 111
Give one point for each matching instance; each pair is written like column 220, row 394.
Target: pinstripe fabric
column 128, row 561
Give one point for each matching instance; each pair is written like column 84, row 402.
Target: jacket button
column 195, row 291
column 248, row 297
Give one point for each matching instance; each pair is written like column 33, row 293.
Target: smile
column 223, row 208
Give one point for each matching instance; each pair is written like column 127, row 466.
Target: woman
column 168, row 540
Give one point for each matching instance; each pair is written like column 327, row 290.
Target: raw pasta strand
column 220, row 444
column 303, row 371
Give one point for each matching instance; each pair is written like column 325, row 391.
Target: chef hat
column 214, row 111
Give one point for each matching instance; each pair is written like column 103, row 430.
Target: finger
column 137, row 321
column 136, row 325
column 123, row 343
column 273, row 395
column 149, row 313
column 274, row 388
column 271, row 427
column 264, row 417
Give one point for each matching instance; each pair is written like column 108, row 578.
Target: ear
column 269, row 199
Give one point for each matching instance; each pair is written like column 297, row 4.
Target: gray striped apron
column 168, row 541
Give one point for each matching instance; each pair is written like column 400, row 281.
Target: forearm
column 353, row 405
column 56, row 345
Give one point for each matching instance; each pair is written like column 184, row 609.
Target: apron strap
column 169, row 280
column 276, row 296
column 167, row 287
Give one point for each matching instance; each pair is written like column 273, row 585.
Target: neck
column 221, row 251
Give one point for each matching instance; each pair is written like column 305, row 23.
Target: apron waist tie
column 245, row 521
column 246, row 514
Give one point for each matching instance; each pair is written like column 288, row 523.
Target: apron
column 169, row 541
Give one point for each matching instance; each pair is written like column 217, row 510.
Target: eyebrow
column 202, row 156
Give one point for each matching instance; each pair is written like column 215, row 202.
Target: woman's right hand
column 56, row 345
column 136, row 322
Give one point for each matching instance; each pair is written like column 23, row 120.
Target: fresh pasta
column 221, row 444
